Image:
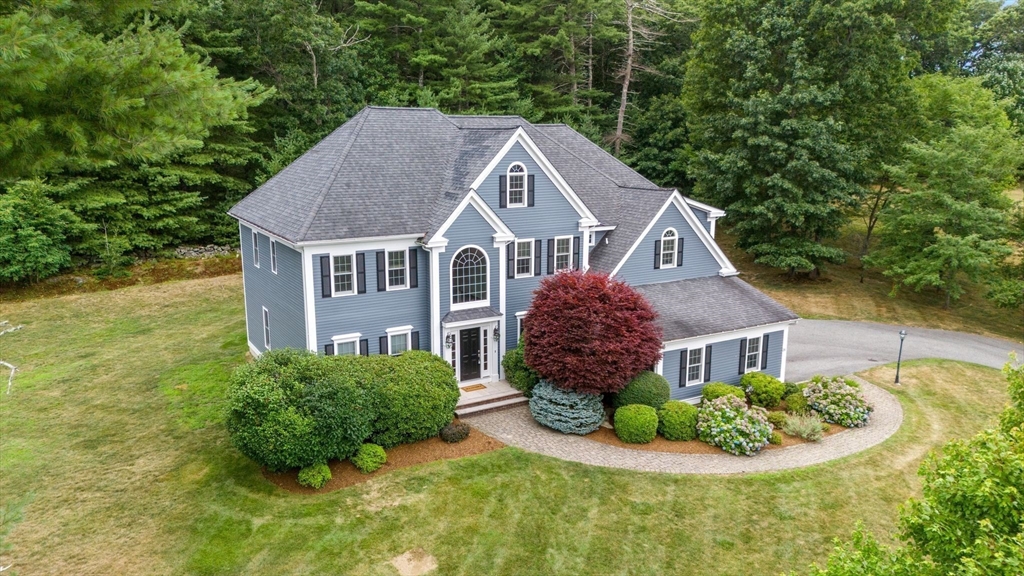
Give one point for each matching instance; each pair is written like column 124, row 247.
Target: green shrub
column 636, row 423
column 792, row 388
column 677, row 421
column 763, row 389
column 316, row 476
column 647, row 388
column 288, row 409
column 796, row 403
column 454, row 432
column 777, row 419
column 566, row 411
column 806, row 426
column 775, row 438
column 369, row 458
column 728, row 423
column 719, row 389
column 837, row 402
column 519, row 375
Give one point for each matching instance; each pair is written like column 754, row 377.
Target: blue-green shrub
column 647, row 388
column 518, row 374
column 369, row 458
column 762, row 389
column 566, row 411
column 316, row 476
column 677, row 421
column 728, row 423
column 636, row 423
column 837, row 402
column 719, row 389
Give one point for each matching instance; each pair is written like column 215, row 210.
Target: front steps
column 491, row 404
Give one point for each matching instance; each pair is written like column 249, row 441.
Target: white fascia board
column 363, row 240
column 705, row 339
column 711, row 210
column 478, row 321
column 353, row 246
column 472, row 199
column 531, row 148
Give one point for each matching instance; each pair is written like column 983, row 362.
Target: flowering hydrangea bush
column 728, row 423
column 837, row 402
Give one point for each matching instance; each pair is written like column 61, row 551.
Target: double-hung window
column 255, row 249
column 398, row 343
column 563, row 253
column 346, row 344
column 668, row 249
column 273, row 256
column 517, row 185
column 524, row 258
column 397, row 269
column 694, row 362
column 342, row 273
column 753, row 353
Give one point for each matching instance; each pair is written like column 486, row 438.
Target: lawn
column 112, row 441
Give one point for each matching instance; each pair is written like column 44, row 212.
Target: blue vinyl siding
column 697, row 259
column 703, row 217
column 725, row 362
column 372, row 313
column 470, row 228
column 280, row 293
column 550, row 216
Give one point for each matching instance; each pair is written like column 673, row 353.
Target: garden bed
column 607, row 436
column 344, row 473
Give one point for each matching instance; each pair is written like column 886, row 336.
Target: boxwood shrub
column 677, row 421
column 719, row 389
column 777, row 419
column 775, row 438
column 728, row 423
column 636, row 423
column 369, row 458
column 762, row 389
column 796, row 403
column 566, row 411
column 519, row 375
column 316, row 476
column 647, row 388
column 837, row 402
column 455, row 432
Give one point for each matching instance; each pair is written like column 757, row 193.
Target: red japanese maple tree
column 590, row 333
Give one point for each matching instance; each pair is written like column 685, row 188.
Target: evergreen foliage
column 677, row 421
column 636, row 424
column 518, row 374
column 567, row 411
column 647, row 388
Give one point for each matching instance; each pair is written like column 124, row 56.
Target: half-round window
column 469, row 276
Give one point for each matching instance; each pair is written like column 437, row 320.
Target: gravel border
column 516, row 427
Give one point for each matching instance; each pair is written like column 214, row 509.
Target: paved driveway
column 836, row 347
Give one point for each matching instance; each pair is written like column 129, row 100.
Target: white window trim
column 273, row 256
column 700, row 373
column 387, row 270
column 345, row 339
column 451, row 285
column 508, row 186
column 355, row 288
column 398, row 331
column 520, row 316
column 255, row 249
column 266, row 328
column 557, row 238
column 760, row 351
column 675, row 248
column 533, row 256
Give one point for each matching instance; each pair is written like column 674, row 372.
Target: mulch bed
column 607, row 436
column 344, row 474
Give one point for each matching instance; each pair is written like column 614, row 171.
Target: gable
column 472, row 203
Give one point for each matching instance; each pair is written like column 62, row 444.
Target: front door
column 469, row 353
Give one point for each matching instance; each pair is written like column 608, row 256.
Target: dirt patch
column 344, row 474
column 414, row 563
column 607, row 436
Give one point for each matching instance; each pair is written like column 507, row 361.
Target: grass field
column 112, row 442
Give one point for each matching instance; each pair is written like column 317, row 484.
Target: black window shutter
column 414, row 281
column 551, row 256
column 382, row 273
column 415, row 340
column 657, row 254
column 325, row 276
column 707, row 363
column 383, row 344
column 361, row 273
column 764, row 352
column 683, row 359
column 743, row 355
column 529, row 190
column 329, row 349
column 510, row 265
column 364, row 347
column 679, row 252
column 537, row 244
column 502, row 192
column 576, row 252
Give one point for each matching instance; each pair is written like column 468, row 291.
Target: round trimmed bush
column 796, row 403
column 636, row 423
column 837, row 402
column 792, row 388
column 316, row 476
column 454, row 432
column 518, row 374
column 369, row 458
column 718, row 389
column 762, row 389
column 677, row 421
column 777, row 419
column 775, row 438
column 728, row 423
column 647, row 388
column 566, row 411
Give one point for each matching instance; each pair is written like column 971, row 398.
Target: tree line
column 130, row 126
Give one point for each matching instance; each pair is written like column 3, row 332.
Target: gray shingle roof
column 711, row 305
column 471, row 314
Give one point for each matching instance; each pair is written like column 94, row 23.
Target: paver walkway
column 516, row 427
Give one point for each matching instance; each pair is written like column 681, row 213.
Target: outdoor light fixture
column 899, row 358
column 449, row 341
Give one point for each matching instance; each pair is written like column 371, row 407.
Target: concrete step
column 491, row 399
column 492, row 406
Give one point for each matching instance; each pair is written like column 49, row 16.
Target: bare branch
column 6, row 328
column 350, row 38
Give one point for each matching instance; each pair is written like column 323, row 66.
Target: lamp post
column 903, row 334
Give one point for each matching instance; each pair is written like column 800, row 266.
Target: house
column 410, row 229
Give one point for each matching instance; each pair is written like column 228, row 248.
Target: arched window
column 469, row 276
column 668, row 248
column 517, row 185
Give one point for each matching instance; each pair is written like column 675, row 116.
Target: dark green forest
column 128, row 127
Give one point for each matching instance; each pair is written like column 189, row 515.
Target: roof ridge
column 592, row 167
column 334, row 174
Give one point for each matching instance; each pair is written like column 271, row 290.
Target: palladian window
column 469, row 276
